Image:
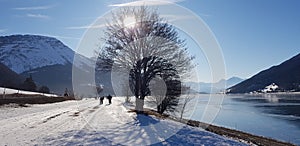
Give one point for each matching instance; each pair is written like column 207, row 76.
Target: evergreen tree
column 29, row 84
column 44, row 89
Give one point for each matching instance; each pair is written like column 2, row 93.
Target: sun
column 129, row 21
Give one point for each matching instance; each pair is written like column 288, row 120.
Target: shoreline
column 271, row 93
column 238, row 135
column 241, row 136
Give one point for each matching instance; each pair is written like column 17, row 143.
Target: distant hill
column 286, row 76
column 9, row 78
column 57, row 77
column 217, row 87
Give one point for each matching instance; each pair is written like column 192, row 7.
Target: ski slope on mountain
column 85, row 122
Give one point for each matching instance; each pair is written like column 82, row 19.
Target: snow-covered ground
column 12, row 91
column 85, row 122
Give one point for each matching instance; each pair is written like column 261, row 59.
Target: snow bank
column 13, row 91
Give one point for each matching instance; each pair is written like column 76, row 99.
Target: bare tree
column 165, row 93
column 186, row 99
column 126, row 92
column 148, row 47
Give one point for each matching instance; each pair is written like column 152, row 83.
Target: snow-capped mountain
column 46, row 59
column 26, row 52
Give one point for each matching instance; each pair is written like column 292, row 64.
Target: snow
column 85, row 122
column 26, row 52
column 83, row 62
column 12, row 91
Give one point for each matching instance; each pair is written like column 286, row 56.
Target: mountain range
column 285, row 77
column 220, row 86
column 51, row 63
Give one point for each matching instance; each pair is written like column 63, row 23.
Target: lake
column 269, row 115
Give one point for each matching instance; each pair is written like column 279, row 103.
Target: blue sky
column 253, row 34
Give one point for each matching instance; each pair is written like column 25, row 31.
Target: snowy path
column 86, row 123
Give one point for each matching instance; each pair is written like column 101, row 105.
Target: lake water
column 275, row 116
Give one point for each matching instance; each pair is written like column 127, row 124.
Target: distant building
column 270, row 88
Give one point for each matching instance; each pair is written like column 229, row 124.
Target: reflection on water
column 270, row 115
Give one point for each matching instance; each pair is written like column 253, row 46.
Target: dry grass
column 150, row 112
column 22, row 99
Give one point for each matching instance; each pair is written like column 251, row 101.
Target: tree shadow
column 145, row 120
column 195, row 136
column 142, row 130
column 81, row 137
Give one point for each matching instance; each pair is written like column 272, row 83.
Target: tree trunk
column 181, row 112
column 139, row 105
column 159, row 108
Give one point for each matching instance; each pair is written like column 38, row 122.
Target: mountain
column 285, row 77
column 25, row 52
column 47, row 59
column 214, row 87
column 228, row 83
column 233, row 81
column 57, row 77
column 9, row 78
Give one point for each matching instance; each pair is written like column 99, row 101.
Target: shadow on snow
column 144, row 130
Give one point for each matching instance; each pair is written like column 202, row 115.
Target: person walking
column 66, row 92
column 109, row 97
column 101, row 100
